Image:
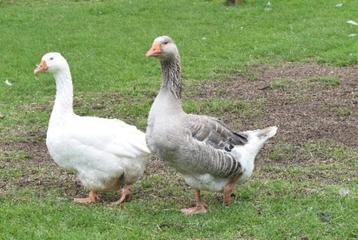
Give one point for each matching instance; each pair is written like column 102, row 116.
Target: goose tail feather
column 256, row 140
column 267, row 133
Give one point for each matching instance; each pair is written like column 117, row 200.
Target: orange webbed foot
column 124, row 196
column 199, row 209
column 92, row 196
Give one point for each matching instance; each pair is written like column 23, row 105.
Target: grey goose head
column 164, row 48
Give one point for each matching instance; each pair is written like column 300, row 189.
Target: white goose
column 208, row 154
column 107, row 154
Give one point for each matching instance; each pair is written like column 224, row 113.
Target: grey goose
column 207, row 153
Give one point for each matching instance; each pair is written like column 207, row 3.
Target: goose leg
column 125, row 192
column 92, row 196
column 200, row 207
column 228, row 188
column 227, row 194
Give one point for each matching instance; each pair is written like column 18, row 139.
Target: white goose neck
column 64, row 93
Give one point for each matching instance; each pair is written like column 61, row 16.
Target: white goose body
column 208, row 154
column 101, row 151
column 106, row 153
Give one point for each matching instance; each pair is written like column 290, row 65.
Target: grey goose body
column 207, row 153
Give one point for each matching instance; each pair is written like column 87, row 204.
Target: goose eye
column 51, row 58
column 165, row 43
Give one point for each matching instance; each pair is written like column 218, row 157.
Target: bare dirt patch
column 36, row 168
column 302, row 104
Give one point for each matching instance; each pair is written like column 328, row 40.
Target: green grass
column 285, row 84
column 105, row 43
column 266, row 210
column 329, row 81
column 281, row 84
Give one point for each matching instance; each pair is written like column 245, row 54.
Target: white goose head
column 52, row 62
column 164, row 48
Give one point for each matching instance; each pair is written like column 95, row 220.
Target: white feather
column 246, row 155
column 8, row 83
column 101, row 151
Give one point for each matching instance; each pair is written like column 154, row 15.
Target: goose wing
column 209, row 146
column 214, row 133
column 110, row 135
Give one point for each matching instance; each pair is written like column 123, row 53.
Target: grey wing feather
column 211, row 144
column 214, row 132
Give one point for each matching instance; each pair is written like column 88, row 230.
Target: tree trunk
column 234, row 2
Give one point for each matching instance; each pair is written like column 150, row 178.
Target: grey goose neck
column 171, row 76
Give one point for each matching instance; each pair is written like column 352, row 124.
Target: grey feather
column 190, row 143
column 171, row 73
column 206, row 152
column 213, row 132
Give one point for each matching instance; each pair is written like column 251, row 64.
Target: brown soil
column 36, row 166
column 306, row 110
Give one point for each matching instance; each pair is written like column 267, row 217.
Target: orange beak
column 42, row 67
column 154, row 51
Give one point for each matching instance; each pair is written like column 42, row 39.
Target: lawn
column 294, row 66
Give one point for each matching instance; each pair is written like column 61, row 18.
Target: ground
column 294, row 66
column 313, row 105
